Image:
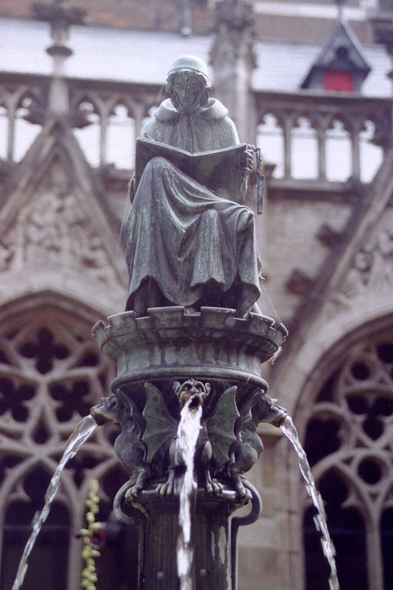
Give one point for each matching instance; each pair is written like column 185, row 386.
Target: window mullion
column 374, row 554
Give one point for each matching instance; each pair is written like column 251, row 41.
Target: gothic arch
column 325, row 340
column 344, row 415
column 51, row 372
column 324, row 352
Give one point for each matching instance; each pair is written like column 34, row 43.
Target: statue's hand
column 247, row 161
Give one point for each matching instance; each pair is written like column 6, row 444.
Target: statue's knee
column 156, row 164
column 247, row 218
column 250, row 215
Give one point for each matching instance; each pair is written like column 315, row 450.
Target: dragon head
column 191, row 389
column 114, row 408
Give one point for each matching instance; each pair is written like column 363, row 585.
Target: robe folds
column 180, row 233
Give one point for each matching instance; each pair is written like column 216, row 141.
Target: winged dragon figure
column 227, row 446
column 216, row 435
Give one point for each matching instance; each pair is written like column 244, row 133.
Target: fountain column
column 212, row 568
column 163, row 360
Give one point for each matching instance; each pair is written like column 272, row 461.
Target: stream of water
column 81, row 433
column 187, row 437
column 329, row 551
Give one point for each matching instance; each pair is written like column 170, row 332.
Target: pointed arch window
column 349, row 444
column 48, row 564
column 51, row 372
column 3, row 132
column 304, row 146
column 89, row 135
column 121, row 138
column 371, row 154
column 338, row 152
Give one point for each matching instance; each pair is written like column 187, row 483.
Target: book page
column 216, row 169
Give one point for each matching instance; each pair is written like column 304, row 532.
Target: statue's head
column 188, row 84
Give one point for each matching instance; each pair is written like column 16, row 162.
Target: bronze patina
column 187, row 243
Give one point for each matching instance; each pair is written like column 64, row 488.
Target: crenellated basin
column 170, row 342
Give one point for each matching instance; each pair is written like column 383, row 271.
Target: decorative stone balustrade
column 323, row 117
column 23, row 102
column 361, row 127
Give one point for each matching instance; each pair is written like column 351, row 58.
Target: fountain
column 189, row 392
column 215, row 412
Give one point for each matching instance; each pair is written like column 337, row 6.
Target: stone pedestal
column 164, row 360
column 213, row 530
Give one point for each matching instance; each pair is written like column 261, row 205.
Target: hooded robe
column 183, row 235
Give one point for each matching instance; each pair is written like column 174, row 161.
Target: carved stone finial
column 234, row 23
column 61, row 16
column 328, row 236
column 381, row 20
column 340, row 5
column 299, row 283
column 236, row 14
column 231, row 55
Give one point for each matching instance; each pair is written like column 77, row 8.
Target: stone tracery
column 353, row 421
column 50, row 375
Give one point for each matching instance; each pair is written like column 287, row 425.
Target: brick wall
column 145, row 15
column 167, row 16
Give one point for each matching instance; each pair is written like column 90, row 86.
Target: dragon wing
column 133, row 410
column 220, row 426
column 161, row 427
column 248, row 412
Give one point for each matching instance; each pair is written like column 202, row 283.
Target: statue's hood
column 213, row 111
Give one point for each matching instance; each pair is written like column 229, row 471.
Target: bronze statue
column 190, row 238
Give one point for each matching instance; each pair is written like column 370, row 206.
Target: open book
column 218, row 170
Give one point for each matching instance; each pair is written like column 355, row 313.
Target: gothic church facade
column 312, row 91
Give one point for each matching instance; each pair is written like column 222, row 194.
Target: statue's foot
column 256, row 309
column 240, row 489
column 245, row 313
column 213, row 486
column 167, row 488
column 133, row 493
column 147, row 295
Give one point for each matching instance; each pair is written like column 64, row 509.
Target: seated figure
column 188, row 245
